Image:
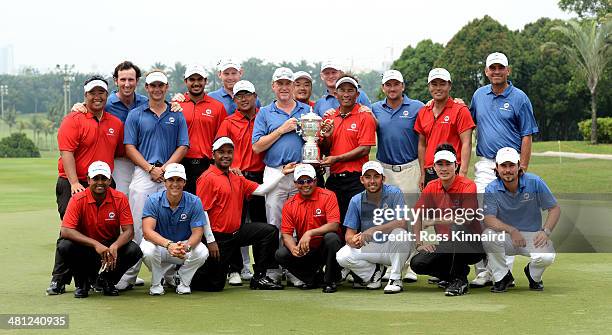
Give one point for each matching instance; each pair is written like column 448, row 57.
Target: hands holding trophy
column 309, row 127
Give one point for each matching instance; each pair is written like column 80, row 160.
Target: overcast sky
column 96, row 35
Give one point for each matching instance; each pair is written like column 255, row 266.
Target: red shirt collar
column 205, row 98
column 353, row 111
column 92, row 200
column 449, row 103
column 313, row 197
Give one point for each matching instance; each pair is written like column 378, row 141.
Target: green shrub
column 604, row 129
column 18, row 145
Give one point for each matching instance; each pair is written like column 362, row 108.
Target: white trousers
column 122, row 174
column 390, row 253
column 405, row 176
column 157, row 258
column 140, row 188
column 276, row 198
column 497, row 250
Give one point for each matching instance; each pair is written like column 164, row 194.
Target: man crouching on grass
column 97, row 234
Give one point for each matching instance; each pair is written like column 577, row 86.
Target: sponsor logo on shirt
column 405, row 114
column 170, row 120
column 318, row 212
column 111, row 216
column 111, row 131
column 527, row 197
column 183, row 216
column 446, row 119
column 353, row 127
column 506, row 107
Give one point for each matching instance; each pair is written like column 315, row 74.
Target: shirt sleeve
column 418, row 123
column 72, row 215
column 221, row 117
column 183, row 136
column 287, row 223
column 473, row 108
column 490, row 201
column 248, row 186
column 120, row 149
column 352, row 219
column 206, row 193
column 130, row 128
column 363, row 99
column 545, row 197
column 260, row 128
column 197, row 218
column 332, row 209
column 464, row 120
column 367, row 133
column 68, row 135
column 527, row 121
column 469, row 196
column 223, row 129
column 125, row 214
column 150, row 209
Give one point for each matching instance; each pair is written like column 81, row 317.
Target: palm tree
column 589, row 49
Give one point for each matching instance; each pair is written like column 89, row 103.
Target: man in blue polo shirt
column 229, row 73
column 154, row 138
column 397, row 144
column 512, row 207
column 274, row 133
column 370, row 240
column 330, row 73
column 504, row 118
column 173, row 222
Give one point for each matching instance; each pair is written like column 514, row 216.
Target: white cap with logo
column 221, row 141
column 372, row 165
column 243, row 85
column 228, row 63
column 195, row 69
column 445, row 155
column 282, row 73
column 497, row 58
column 302, row 74
column 347, row 80
column 175, row 170
column 99, row 168
column 329, row 64
column 507, row 154
column 95, row 83
column 156, row 76
column 304, row 170
column 392, row 74
column 438, row 73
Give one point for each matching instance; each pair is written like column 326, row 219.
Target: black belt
column 157, row 164
column 198, row 161
column 249, row 174
column 345, row 174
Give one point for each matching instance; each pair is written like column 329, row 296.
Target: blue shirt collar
column 500, row 187
column 505, row 93
column 405, row 101
column 165, row 203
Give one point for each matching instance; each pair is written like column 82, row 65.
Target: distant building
column 7, row 61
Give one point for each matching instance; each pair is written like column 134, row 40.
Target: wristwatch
column 547, row 231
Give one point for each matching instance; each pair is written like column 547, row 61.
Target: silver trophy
column 309, row 127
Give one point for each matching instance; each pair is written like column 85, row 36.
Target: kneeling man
column 97, row 234
column 173, row 222
column 390, row 241
column 313, row 215
column 513, row 205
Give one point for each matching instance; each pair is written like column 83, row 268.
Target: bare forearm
column 135, row 156
column 553, row 217
column 127, row 234
column 177, row 155
column 76, row 236
column 324, row 229
column 266, row 141
column 354, row 154
column 288, row 241
column 466, row 151
column 496, row 224
column 196, row 236
column 69, row 164
column 421, row 152
column 390, row 226
column 525, row 151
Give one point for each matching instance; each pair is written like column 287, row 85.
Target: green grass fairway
column 573, row 146
column 576, row 299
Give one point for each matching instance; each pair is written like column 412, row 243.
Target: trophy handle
column 298, row 129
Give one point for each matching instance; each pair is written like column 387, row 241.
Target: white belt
column 399, row 168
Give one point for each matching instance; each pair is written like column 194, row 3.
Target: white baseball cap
column 243, row 85
column 372, row 165
column 302, row 74
column 445, row 155
column 507, row 154
column 392, row 74
column 329, row 64
column 156, row 76
column 347, row 80
column 195, row 69
column 95, row 83
column 438, row 73
column 175, row 170
column 97, row 168
column 221, row 141
column 304, row 170
column 497, row 58
column 282, row 73
column 228, row 63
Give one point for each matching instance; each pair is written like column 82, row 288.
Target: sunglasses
column 304, row 181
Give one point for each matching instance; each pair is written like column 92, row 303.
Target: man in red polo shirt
column 348, row 136
column 443, row 121
column 239, row 128
column 314, row 217
column 204, row 116
column 449, row 202
column 82, row 139
column 97, row 234
column 223, row 194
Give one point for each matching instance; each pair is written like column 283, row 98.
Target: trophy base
column 311, row 161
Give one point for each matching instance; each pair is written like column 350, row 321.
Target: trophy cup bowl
column 309, row 127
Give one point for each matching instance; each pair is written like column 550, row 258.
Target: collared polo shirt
column 360, row 213
column 222, row 196
column 397, row 140
column 239, row 129
column 445, row 128
column 288, row 147
column 328, row 101
column 523, row 209
column 501, row 120
column 203, row 119
column 103, row 223
column 89, row 140
column 353, row 130
column 227, row 100
column 156, row 138
column 303, row 214
column 120, row 110
column 460, row 195
column 175, row 225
